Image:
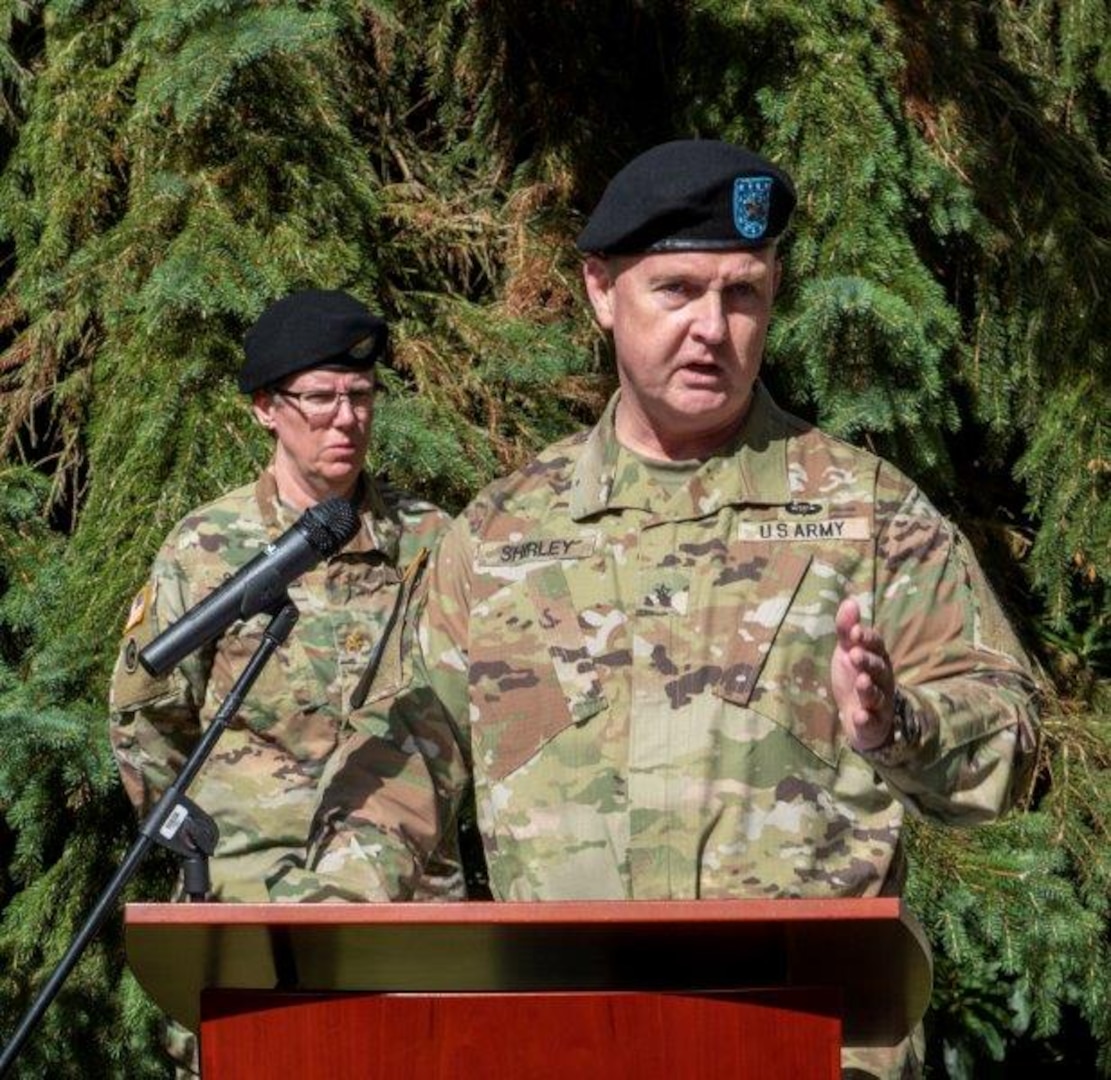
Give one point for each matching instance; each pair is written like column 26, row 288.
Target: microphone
column 319, row 533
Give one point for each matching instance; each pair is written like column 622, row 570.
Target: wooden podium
column 578, row 991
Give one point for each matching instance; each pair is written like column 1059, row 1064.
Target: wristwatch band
column 905, row 735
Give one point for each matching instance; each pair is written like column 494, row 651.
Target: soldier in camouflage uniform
column 706, row 650
column 310, row 371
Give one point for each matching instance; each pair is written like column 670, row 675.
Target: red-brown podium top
column 872, row 950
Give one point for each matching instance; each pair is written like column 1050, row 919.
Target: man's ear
column 599, row 273
column 262, row 405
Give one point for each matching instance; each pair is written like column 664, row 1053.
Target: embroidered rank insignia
column 752, row 200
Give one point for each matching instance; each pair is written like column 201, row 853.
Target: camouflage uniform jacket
column 640, row 676
column 260, row 782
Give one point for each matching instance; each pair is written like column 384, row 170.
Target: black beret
column 311, row 328
column 690, row 195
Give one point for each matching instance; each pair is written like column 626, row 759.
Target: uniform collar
column 379, row 533
column 751, row 468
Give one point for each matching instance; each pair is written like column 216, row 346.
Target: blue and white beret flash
column 690, row 195
column 311, row 328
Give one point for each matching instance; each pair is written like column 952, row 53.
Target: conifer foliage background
column 167, row 167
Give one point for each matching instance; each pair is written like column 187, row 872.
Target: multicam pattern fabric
column 262, row 781
column 638, row 671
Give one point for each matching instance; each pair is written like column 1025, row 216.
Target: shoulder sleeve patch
column 131, row 686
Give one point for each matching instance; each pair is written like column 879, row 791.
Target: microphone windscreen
column 330, row 525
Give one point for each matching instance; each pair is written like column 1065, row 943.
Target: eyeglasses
column 324, row 404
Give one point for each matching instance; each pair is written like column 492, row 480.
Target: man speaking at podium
column 705, row 650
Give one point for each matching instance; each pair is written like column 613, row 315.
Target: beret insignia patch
column 752, row 198
column 362, row 349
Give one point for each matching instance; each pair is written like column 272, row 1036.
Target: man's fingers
column 867, row 660
column 848, row 617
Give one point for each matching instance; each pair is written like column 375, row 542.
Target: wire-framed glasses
column 324, row 404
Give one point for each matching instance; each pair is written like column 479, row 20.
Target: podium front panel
column 775, row 1035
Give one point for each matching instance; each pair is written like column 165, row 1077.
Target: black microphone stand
column 161, row 825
